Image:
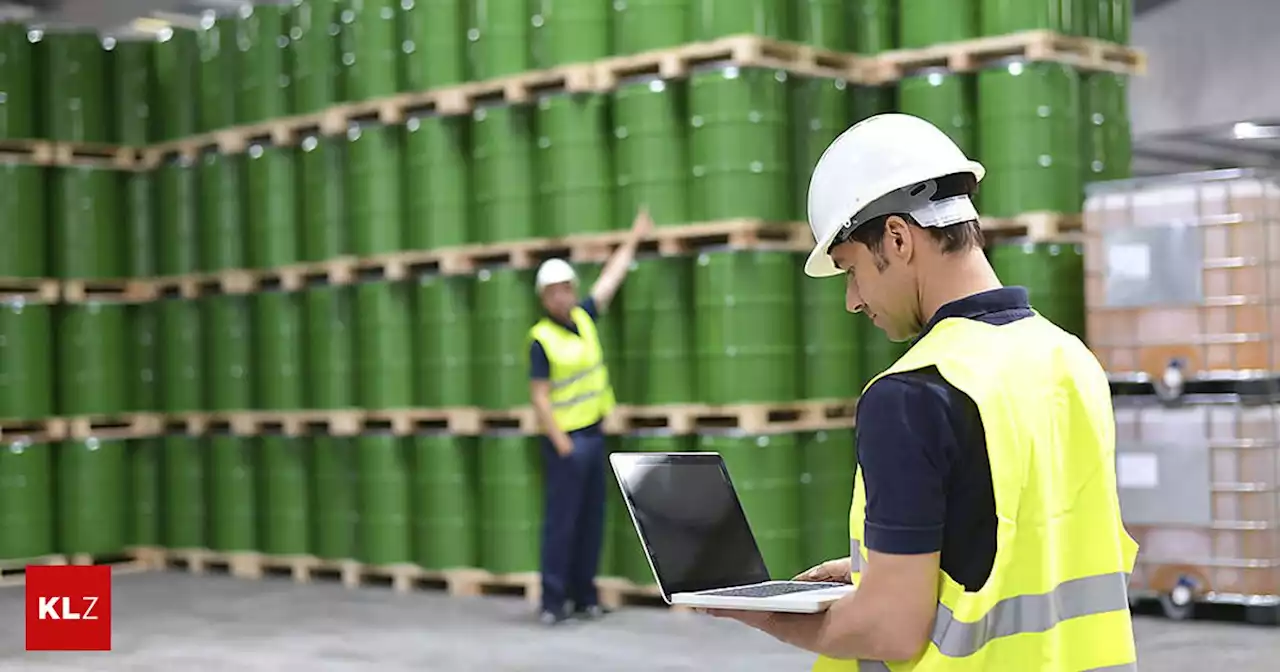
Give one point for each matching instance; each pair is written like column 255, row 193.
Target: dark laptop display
column 692, row 523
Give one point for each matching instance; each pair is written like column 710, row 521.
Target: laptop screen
column 690, row 521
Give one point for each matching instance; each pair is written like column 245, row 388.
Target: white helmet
column 876, row 168
column 553, row 271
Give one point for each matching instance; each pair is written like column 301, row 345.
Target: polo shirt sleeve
column 539, row 365
column 905, row 445
column 589, row 304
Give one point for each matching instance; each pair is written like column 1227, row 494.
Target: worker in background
column 985, row 529
column 571, row 392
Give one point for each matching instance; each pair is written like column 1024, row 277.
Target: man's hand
column 562, row 443
column 835, row 571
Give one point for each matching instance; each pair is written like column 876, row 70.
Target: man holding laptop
column 985, row 529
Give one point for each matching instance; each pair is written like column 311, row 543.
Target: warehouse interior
column 267, row 277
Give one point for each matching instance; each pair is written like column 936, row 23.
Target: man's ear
column 897, row 238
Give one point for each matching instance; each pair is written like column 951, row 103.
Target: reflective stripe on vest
column 561, row 383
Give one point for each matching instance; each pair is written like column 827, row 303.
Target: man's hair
column 950, row 239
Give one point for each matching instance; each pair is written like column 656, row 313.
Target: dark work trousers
column 573, row 520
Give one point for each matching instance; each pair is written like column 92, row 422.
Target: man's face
column 558, row 299
column 880, row 285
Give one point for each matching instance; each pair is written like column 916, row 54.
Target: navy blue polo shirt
column 923, row 455
column 540, row 366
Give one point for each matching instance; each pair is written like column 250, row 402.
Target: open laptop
column 696, row 536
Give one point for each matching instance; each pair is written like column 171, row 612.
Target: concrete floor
column 167, row 622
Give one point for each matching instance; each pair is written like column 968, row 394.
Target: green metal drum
column 178, row 89
column 383, row 528
column 26, row 499
column 234, row 509
column 503, row 140
column 140, row 224
column 271, row 205
column 873, row 25
column 877, row 351
column 178, row 238
column 738, row 144
column 868, row 101
column 933, row 22
column 285, row 498
column 230, row 373
column 443, row 335
column 91, row 359
column 651, row 148
column 131, row 79
column 1053, row 274
column 746, row 329
column 608, row 565
column 384, row 345
column 370, row 46
column 90, row 496
column 445, row 496
column 827, row 464
column 277, row 345
column 721, row 18
column 570, row 31
column 182, row 488
column 643, row 25
column 182, row 377
column 1108, row 139
column 85, row 211
column 323, row 226
column 1001, row 17
column 830, row 336
column 629, row 557
column 26, row 360
column 510, row 511
column 575, row 164
column 434, row 48
column 329, row 348
column 499, row 36
column 224, row 242
column 143, row 357
column 18, row 104
column 821, row 23
column 765, row 471
column 1109, row 20
column 22, row 197
column 76, row 87
column 219, row 64
column 438, row 164
column 946, row 101
column 142, row 505
column 505, row 309
column 1029, row 139
column 262, row 90
column 312, row 54
column 819, row 113
column 334, row 498
column 374, row 157
column 658, row 343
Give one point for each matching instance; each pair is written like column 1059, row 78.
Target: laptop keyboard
column 771, row 589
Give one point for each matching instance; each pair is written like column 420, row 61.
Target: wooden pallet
column 520, row 89
column 740, row 50
column 126, row 426
column 116, row 290
column 244, row 565
column 13, row 571
column 1034, row 45
column 69, row 154
column 750, row 418
column 1037, row 227
column 523, row 420
column 30, row 290
column 616, row 593
column 403, row 422
column 45, row 430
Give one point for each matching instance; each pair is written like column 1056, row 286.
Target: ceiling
column 1247, row 144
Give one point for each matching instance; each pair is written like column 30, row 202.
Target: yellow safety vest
column 580, row 391
column 1057, row 598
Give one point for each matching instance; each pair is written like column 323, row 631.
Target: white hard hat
column 877, row 167
column 553, row 271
